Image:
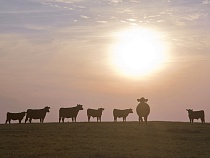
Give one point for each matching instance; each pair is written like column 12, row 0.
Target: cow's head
column 189, row 110
column 79, row 106
column 142, row 100
column 47, row 109
column 101, row 109
column 130, row 110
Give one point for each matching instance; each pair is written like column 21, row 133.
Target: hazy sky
column 57, row 53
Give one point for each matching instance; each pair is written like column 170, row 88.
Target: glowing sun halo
column 138, row 52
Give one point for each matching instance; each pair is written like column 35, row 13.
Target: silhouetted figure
column 15, row 116
column 142, row 109
column 37, row 114
column 196, row 115
column 121, row 113
column 95, row 113
column 71, row 112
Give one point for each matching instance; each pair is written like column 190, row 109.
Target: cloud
column 84, row 17
column 206, row 2
column 194, row 16
column 131, row 20
column 102, row 22
column 116, row 1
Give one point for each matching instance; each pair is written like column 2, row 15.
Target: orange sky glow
column 61, row 53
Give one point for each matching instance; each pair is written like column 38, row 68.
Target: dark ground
column 106, row 140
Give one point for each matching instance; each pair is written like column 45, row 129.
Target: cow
column 15, row 116
column 196, row 115
column 37, row 114
column 95, row 113
column 71, row 112
column 121, row 113
column 142, row 110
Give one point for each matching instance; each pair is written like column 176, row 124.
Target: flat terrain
column 106, row 140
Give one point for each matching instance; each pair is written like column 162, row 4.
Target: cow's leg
column 26, row 119
column 75, row 119
column 19, row 120
column 9, row 121
column 141, row 119
column 115, row 119
column 30, row 119
column 63, row 119
column 192, row 120
column 88, row 118
column 202, row 120
column 59, row 119
column 145, row 119
column 6, row 121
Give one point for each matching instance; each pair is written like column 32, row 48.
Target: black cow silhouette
column 121, row 113
column 142, row 109
column 95, row 113
column 15, row 116
column 71, row 112
column 37, row 114
column 196, row 115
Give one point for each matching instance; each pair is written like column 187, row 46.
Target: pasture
column 105, row 140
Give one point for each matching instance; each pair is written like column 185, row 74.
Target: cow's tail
column 59, row 119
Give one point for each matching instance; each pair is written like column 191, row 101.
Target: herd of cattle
column 142, row 110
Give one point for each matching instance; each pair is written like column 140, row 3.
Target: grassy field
column 106, row 140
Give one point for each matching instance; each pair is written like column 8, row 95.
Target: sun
column 138, row 52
